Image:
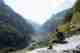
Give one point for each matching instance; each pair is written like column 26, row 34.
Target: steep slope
column 14, row 29
column 50, row 25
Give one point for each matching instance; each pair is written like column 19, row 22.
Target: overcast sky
column 39, row 10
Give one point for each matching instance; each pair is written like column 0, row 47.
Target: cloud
column 68, row 3
column 38, row 10
column 55, row 3
column 55, row 6
column 33, row 9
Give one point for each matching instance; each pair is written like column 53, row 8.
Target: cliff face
column 76, row 14
column 14, row 30
column 71, row 16
column 50, row 25
column 74, row 18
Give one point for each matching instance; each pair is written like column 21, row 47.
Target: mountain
column 14, row 29
column 41, row 34
column 50, row 25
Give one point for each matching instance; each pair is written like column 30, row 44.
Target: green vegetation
column 4, row 11
column 38, row 44
column 7, row 28
column 72, row 19
column 70, row 24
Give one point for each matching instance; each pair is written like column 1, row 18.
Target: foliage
column 38, row 44
column 70, row 23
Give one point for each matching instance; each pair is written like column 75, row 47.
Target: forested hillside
column 14, row 29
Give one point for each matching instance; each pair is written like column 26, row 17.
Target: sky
column 38, row 10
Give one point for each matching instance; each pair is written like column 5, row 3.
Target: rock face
column 14, row 30
column 50, row 25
